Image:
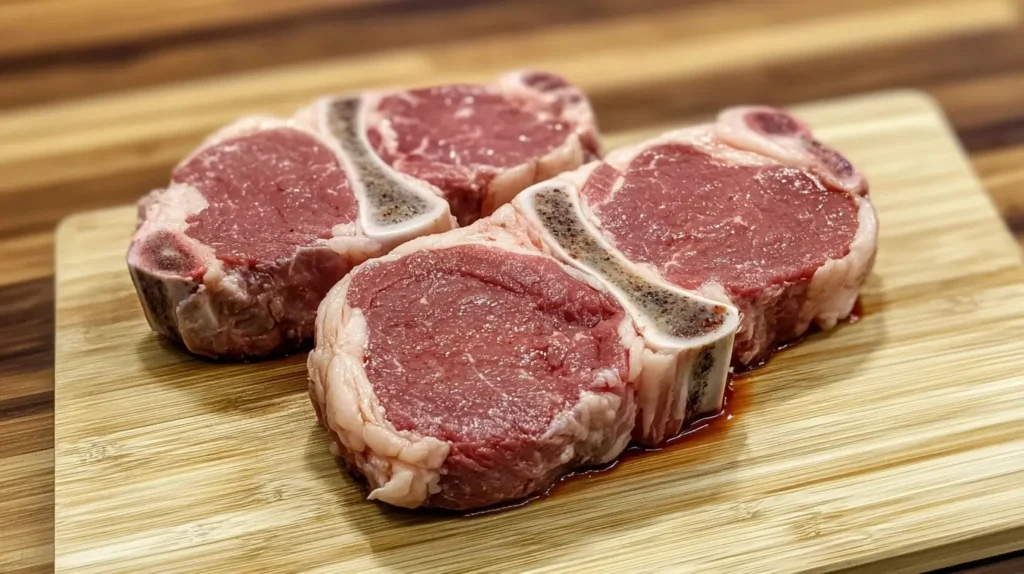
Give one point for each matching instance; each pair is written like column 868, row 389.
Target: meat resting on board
column 257, row 224
column 476, row 366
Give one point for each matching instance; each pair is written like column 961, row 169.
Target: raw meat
column 687, row 339
column 479, row 144
column 471, row 368
column 751, row 211
column 233, row 258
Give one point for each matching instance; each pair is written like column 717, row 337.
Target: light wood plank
column 987, row 100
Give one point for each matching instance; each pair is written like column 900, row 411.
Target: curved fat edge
column 702, row 137
column 509, row 183
column 576, row 111
column 402, row 467
column 789, row 150
column 241, row 127
column 731, row 127
column 835, row 285
column 506, row 184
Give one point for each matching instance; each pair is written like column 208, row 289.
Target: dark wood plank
column 997, row 135
column 26, row 330
column 922, row 65
column 1006, row 564
column 183, row 53
column 1002, row 171
column 114, row 173
column 26, row 426
column 26, row 256
column 977, row 98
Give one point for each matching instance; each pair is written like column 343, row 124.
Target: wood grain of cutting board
column 895, row 443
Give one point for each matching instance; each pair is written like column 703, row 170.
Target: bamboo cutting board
column 895, row 443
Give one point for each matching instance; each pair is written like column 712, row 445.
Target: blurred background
column 99, row 98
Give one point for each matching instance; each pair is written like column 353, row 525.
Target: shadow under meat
column 222, row 386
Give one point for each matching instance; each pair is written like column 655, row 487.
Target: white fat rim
column 701, row 137
column 835, row 285
column 402, row 466
column 580, row 113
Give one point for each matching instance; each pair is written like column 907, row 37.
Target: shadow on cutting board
column 222, row 387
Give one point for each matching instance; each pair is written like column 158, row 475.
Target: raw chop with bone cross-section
column 264, row 217
column 751, row 210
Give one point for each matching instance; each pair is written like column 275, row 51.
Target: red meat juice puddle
column 700, row 431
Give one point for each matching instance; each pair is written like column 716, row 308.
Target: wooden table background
column 68, row 66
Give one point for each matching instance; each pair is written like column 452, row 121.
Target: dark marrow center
column 773, row 123
column 268, row 193
column 477, row 344
column 698, row 219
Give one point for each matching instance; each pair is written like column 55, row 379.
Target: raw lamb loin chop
column 234, row 256
column 471, row 368
column 751, row 211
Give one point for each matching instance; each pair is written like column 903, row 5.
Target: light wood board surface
column 895, row 443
